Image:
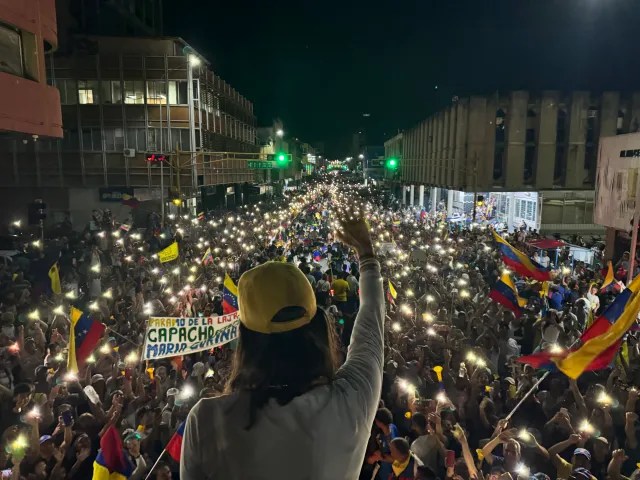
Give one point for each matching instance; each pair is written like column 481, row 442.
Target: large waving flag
column 111, row 462
column 84, row 335
column 623, row 312
column 610, row 278
column 505, row 293
column 521, row 263
column 174, row 447
column 599, row 343
column 229, row 295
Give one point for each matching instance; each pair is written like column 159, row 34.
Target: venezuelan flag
column 111, row 462
column 207, row 258
column 174, row 447
column 609, row 279
column 599, row 343
column 505, row 293
column 623, row 312
column 520, row 263
column 229, row 295
column 84, row 335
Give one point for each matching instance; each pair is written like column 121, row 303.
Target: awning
column 547, row 244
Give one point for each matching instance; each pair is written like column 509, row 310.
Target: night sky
column 319, row 65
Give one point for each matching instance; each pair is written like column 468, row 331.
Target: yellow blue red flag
column 519, row 262
column 84, row 335
column 505, row 293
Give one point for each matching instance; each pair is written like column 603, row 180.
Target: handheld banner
column 171, row 336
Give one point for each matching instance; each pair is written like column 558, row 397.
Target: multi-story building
column 29, row 108
column 124, row 99
column 520, row 141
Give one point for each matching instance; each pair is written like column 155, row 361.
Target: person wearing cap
column 47, row 450
column 289, row 412
column 132, row 446
column 601, row 456
column 581, row 457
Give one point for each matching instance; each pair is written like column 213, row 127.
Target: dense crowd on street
column 454, row 400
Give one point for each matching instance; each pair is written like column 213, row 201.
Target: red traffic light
column 156, row 158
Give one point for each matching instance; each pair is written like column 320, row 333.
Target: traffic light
column 156, row 158
column 391, row 163
column 282, row 160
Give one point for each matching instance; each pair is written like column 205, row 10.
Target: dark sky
column 319, row 65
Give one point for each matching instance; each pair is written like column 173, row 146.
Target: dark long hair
column 284, row 365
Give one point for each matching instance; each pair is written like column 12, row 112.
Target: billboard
column 617, row 181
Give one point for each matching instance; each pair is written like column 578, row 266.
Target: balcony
column 29, row 107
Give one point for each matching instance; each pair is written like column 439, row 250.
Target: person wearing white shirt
column 594, row 300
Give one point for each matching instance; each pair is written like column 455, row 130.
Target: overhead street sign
column 260, row 165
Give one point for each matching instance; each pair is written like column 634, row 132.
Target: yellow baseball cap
column 268, row 288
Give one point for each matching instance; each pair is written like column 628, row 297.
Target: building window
column 559, row 169
column 500, row 125
column 68, row 91
column 137, row 139
column 157, row 92
column 498, row 162
column 71, row 140
column 88, row 92
column 111, row 91
column 134, row 92
column 91, row 139
column 11, row 51
column 531, row 135
column 592, row 124
column 561, row 127
column 113, row 139
column 178, row 92
column 531, row 211
column 620, row 122
column 529, row 163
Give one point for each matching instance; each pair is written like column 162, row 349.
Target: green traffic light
column 282, row 160
column 392, row 163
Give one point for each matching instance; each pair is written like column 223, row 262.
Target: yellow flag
column 72, row 361
column 392, row 290
column 54, row 276
column 168, row 254
column 544, row 291
column 609, row 278
column 576, row 362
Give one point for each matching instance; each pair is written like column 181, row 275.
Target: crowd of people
column 454, row 400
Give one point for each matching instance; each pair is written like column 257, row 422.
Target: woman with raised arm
column 290, row 412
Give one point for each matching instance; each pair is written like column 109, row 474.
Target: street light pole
column 161, row 167
column 192, row 61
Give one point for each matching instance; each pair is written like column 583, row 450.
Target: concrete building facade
column 29, row 107
column 522, row 142
column 122, row 100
